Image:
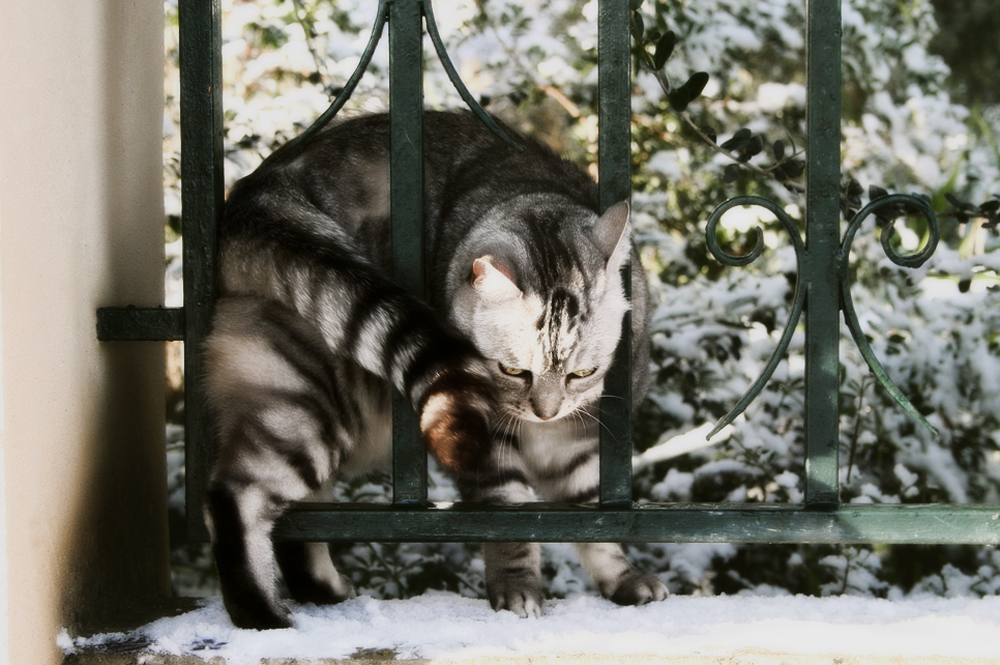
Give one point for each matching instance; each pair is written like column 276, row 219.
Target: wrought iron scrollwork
column 456, row 81
column 892, row 203
column 729, row 259
column 381, row 19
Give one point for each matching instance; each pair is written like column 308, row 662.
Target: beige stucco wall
column 81, row 444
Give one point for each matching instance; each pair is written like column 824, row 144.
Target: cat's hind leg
column 241, row 545
column 308, row 570
column 279, row 437
column 263, row 468
column 310, row 575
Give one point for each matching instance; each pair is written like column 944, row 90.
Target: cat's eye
column 513, row 371
column 583, row 373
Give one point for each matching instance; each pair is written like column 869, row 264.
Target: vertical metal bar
column 202, row 193
column 409, row 461
column 614, row 168
column 822, row 243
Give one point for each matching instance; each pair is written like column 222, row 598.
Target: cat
column 504, row 362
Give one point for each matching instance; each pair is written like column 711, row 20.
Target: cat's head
column 546, row 311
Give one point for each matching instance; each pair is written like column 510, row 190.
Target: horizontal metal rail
column 703, row 523
column 140, row 324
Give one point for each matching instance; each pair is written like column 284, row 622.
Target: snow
column 773, row 97
column 680, row 444
column 437, row 625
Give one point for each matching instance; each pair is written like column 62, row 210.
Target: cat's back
column 332, row 192
column 461, row 155
column 339, row 180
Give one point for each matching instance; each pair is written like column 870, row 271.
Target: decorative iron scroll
column 758, row 249
column 894, row 203
column 381, row 19
column 907, row 261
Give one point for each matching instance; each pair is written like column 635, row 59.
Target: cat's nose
column 546, row 409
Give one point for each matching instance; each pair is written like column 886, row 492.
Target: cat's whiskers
column 507, row 449
column 585, row 412
column 508, row 423
column 499, row 436
column 579, row 420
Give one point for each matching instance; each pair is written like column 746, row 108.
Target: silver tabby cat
column 504, row 363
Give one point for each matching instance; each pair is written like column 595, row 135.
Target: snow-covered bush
column 936, row 329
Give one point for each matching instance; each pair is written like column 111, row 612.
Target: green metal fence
column 822, row 293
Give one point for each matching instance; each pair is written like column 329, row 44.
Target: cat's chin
column 531, row 417
column 543, row 421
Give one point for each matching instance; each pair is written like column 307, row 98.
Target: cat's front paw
column 638, row 589
column 524, row 600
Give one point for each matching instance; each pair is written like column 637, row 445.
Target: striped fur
column 504, row 363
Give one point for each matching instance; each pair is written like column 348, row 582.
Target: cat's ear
column 611, row 233
column 493, row 279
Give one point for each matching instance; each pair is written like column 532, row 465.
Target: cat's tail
column 364, row 316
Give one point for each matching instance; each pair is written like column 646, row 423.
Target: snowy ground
column 451, row 626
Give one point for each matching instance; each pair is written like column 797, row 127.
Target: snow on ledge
column 448, row 626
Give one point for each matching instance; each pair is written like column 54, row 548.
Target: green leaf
column 794, row 168
column 876, row 192
column 779, row 149
column 696, row 84
column 679, row 99
column 635, row 4
column 664, row 48
column 739, row 140
column 682, row 96
column 957, row 202
column 731, row 173
column 638, row 26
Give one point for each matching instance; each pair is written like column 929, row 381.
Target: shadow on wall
column 118, row 551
